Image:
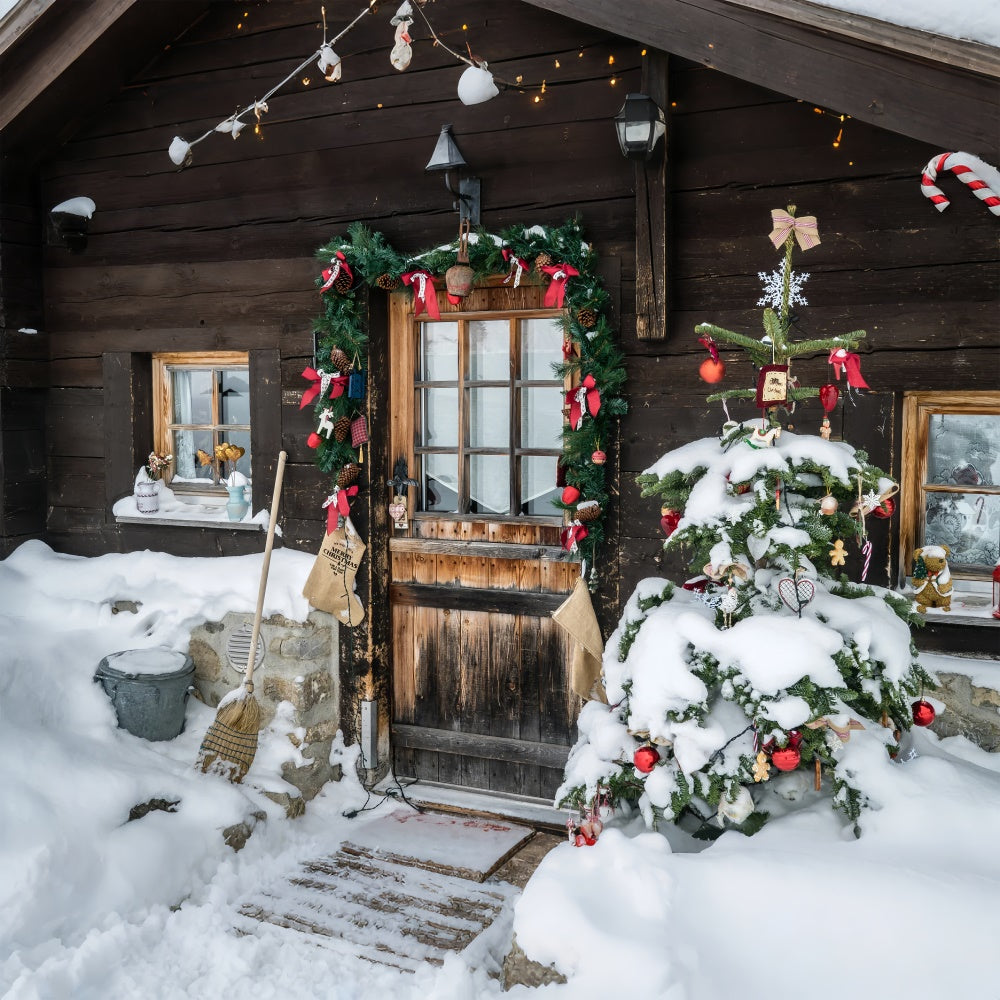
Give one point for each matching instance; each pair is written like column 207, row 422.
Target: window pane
column 440, row 485
column 242, row 440
column 538, row 485
column 489, row 418
column 438, row 352
column 440, row 418
column 964, row 449
column 541, row 348
column 192, row 394
column 968, row 523
column 489, row 484
column 235, row 397
column 489, row 350
column 541, row 418
column 187, row 465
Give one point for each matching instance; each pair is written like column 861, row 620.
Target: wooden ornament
column 772, row 386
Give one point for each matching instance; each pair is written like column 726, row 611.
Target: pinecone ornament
column 587, row 318
column 387, row 282
column 348, row 474
column 342, row 283
column 340, row 361
column 542, row 260
column 589, row 510
column 341, row 428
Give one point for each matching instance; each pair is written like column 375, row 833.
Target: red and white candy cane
column 960, row 164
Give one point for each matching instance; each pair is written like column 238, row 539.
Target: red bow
column 337, row 504
column 586, row 393
column 851, row 364
column 556, row 292
column 421, row 299
column 572, row 534
column 517, row 266
column 330, row 274
column 321, row 383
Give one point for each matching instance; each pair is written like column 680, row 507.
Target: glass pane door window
column 489, row 415
column 961, row 488
column 203, row 406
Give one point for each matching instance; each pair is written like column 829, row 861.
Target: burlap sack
column 576, row 616
column 330, row 586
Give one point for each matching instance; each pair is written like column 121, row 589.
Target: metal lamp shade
column 639, row 124
column 446, row 155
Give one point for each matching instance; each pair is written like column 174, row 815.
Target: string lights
column 476, row 85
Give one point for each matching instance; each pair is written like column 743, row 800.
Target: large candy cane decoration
column 962, row 166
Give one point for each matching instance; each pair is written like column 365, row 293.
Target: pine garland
column 595, row 351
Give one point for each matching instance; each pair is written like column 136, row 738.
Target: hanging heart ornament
column 796, row 593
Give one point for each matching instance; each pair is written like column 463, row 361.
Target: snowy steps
column 382, row 909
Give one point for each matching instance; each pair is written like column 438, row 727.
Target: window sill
column 971, row 605
column 177, row 513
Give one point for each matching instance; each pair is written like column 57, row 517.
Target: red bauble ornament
column 828, row 396
column 313, row 440
column 886, row 509
column 795, row 739
column 712, row 370
column 598, row 458
column 669, row 520
column 787, row 759
column 645, row 759
column 570, row 495
column 923, row 713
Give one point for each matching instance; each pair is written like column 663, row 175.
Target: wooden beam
column 973, row 56
column 503, row 602
column 489, row 550
column 78, row 26
column 924, row 98
column 475, row 745
column 651, row 211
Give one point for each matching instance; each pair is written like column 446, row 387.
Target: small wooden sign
column 772, row 386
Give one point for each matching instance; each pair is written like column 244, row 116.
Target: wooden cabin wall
column 220, row 255
column 923, row 284
column 23, row 363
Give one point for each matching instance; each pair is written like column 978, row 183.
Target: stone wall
column 300, row 666
column 972, row 710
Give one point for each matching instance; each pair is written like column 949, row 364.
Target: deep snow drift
column 93, row 906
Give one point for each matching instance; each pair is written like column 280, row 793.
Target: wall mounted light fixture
column 70, row 223
column 639, row 124
column 448, row 157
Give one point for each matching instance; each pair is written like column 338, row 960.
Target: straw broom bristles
column 230, row 743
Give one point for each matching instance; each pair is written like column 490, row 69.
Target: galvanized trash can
column 149, row 689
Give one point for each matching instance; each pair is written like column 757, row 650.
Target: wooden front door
column 480, row 692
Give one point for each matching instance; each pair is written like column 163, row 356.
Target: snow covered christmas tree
column 769, row 657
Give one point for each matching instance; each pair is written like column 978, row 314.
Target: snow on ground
column 96, row 908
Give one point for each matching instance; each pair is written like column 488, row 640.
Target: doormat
column 399, row 915
column 463, row 846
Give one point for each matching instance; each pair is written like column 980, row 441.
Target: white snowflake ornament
column 774, row 289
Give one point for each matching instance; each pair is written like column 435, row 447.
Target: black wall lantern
column 448, row 157
column 69, row 223
column 639, row 124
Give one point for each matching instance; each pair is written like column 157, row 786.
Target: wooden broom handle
column 252, row 655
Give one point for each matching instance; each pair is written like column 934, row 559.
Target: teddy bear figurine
column 931, row 578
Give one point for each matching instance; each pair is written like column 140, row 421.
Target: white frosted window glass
column 541, row 418
column 192, row 396
column 489, row 350
column 541, row 348
column 489, row 418
column 438, row 352
column 489, row 484
column 440, row 483
column 538, row 484
column 440, row 418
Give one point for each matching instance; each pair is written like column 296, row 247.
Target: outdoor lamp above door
column 640, row 123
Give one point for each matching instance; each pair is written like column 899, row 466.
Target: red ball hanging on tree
column 598, row 458
column 313, row 440
column 712, row 369
column 570, row 495
column 923, row 713
column 885, row 509
column 787, row 759
column 645, row 759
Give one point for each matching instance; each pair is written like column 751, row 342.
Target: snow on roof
column 974, row 20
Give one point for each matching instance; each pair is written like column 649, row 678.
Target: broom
column 230, row 744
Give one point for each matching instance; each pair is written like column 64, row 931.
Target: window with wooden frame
column 486, row 413
column 202, row 400
column 950, row 490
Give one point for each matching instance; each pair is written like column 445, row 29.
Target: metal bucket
column 149, row 690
